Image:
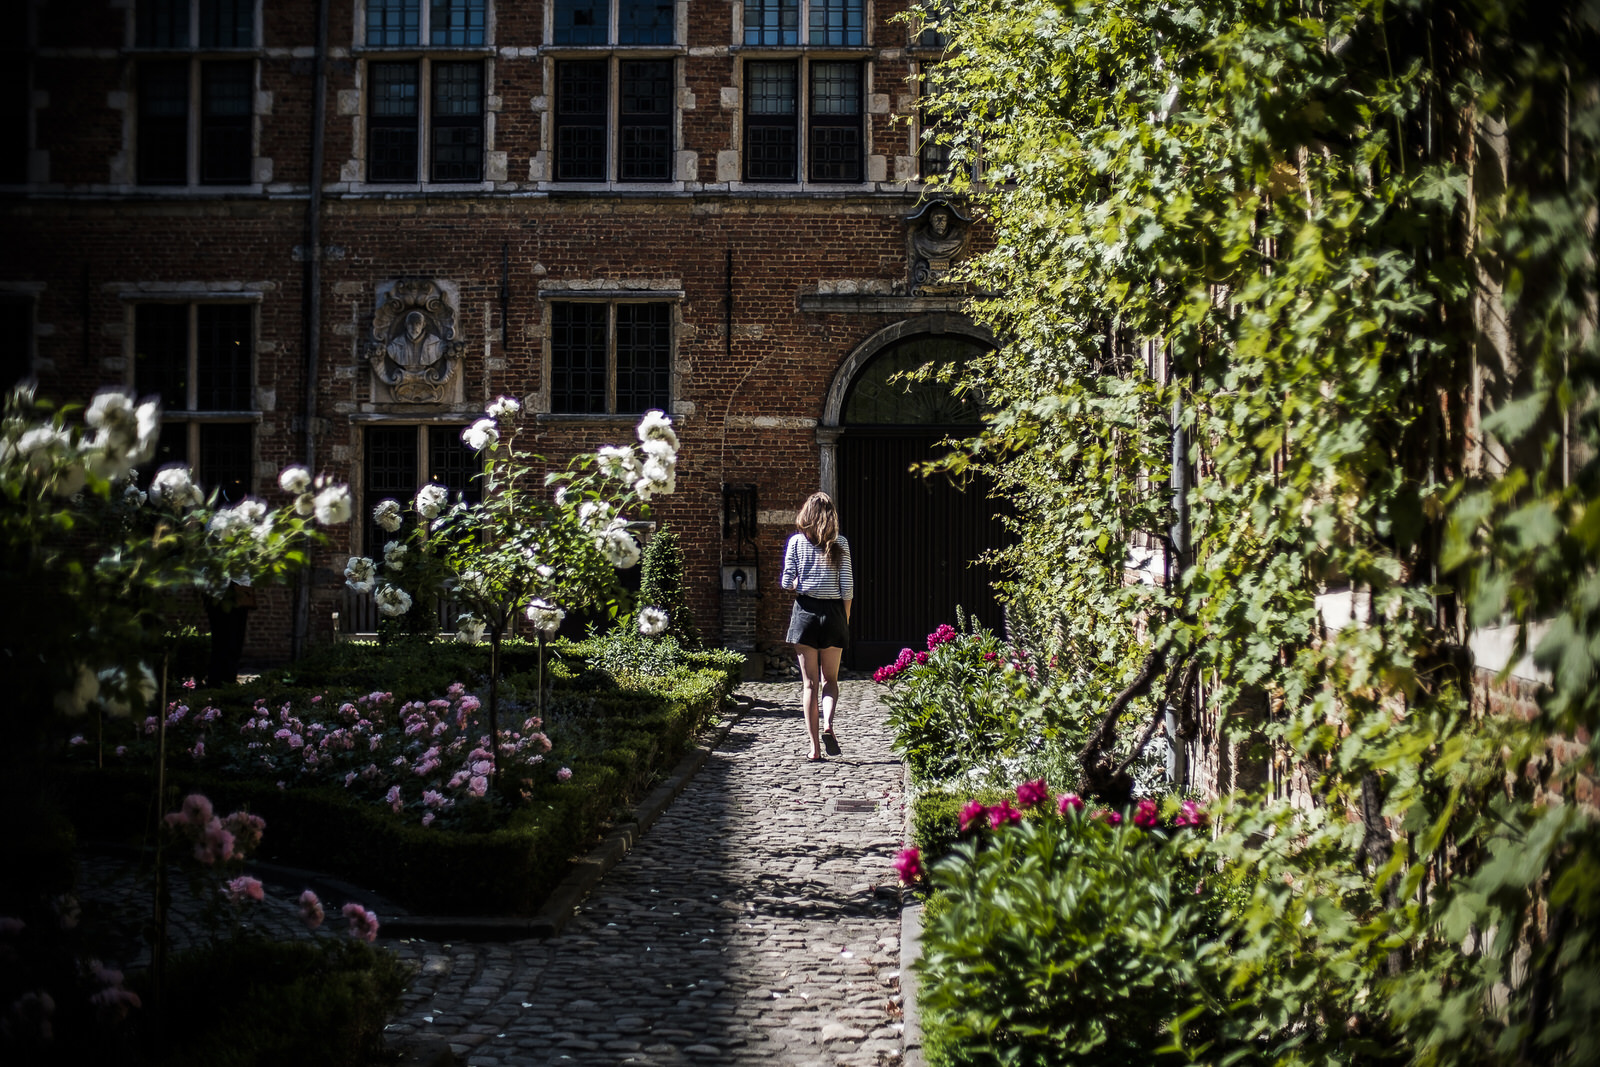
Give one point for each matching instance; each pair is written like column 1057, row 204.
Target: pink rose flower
column 242, row 888
column 310, row 910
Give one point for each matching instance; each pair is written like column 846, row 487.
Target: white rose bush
column 532, row 547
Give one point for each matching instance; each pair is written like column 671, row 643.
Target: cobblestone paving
column 757, row 922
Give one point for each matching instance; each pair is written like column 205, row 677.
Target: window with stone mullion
column 772, row 151
column 226, row 90
column 835, row 136
column 457, row 122
column 644, row 150
column 394, row 23
column 772, row 22
column 392, row 122
column 456, row 23
column 581, row 113
column 837, row 22
column 578, row 370
column 644, row 357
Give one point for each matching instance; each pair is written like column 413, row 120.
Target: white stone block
column 728, row 166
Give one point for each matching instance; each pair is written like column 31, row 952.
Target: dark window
column 453, row 465
column 162, row 24
column 457, row 122
column 392, row 130
column 456, row 23
column 227, row 23
column 225, row 92
column 835, row 146
column 390, row 472
column 581, row 121
column 223, row 462
column 644, row 357
column 582, row 21
column 644, row 22
column 772, row 22
column 578, row 358
column 926, row 35
column 222, row 357
column 771, row 142
column 644, row 146
column 392, row 23
column 837, row 22
column 197, row 358
column 16, row 338
column 161, row 353
column 163, row 153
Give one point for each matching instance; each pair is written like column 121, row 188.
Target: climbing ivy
column 1342, row 253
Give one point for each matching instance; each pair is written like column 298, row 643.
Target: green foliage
column 661, row 585
column 1341, row 256
column 1062, row 940
column 249, row 1003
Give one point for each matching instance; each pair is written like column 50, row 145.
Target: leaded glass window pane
column 392, row 131
column 227, row 23
column 389, row 472
column 645, row 148
column 226, row 93
column 644, row 357
column 582, row 21
column 837, row 22
column 835, row 141
column 162, row 24
column 453, row 465
column 772, row 150
column 163, row 131
column 222, row 357
column 645, row 21
column 161, row 353
column 772, row 22
column 392, row 23
column 458, row 122
column 456, row 23
column 581, row 121
column 578, row 358
column 224, row 461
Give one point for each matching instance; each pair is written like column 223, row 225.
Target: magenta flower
column 242, row 888
column 310, row 910
column 942, row 634
column 1003, row 813
column 1190, row 814
column 971, row 812
column 922, row 657
column 1146, row 815
column 1032, row 794
column 1070, row 802
column 1113, row 818
column 362, row 923
column 908, row 865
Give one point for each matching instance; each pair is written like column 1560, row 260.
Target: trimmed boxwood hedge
column 504, row 871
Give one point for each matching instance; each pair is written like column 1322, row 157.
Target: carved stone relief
column 414, row 353
column 937, row 235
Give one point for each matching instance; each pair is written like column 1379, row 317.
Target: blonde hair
column 819, row 521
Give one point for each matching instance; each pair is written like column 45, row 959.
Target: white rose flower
column 652, row 621
column 618, row 545
column 392, row 601
column 545, row 616
column 470, row 629
column 594, row 514
column 430, row 499
column 387, row 515
column 394, row 555
column 111, row 412
column 481, row 434
column 41, row 447
column 619, row 463
column 174, row 488
column 360, row 574
column 656, row 426
column 659, row 450
column 135, row 496
column 655, row 478
column 119, row 443
column 502, row 406
column 148, row 422
column 251, row 511
column 295, row 480
column 117, row 690
column 305, row 505
column 332, row 505
column 85, row 687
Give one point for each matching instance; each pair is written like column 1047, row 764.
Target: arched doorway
column 914, row 540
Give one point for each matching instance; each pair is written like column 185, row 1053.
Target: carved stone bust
column 938, row 235
column 414, row 353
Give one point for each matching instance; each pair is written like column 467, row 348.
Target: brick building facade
column 597, row 206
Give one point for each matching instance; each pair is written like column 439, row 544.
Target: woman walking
column 816, row 568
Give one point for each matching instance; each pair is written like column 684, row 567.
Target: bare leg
column 810, row 687
column 828, row 660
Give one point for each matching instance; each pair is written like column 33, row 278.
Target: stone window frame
column 682, row 164
column 198, row 59
column 193, row 419
column 357, row 103
column 610, row 298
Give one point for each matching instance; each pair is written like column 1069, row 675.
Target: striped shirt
column 806, row 571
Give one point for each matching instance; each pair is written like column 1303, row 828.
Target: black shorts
column 818, row 622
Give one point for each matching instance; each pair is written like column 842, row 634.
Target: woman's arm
column 790, row 577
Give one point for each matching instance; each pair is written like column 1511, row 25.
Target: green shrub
column 1065, row 940
column 661, row 586
column 247, row 1003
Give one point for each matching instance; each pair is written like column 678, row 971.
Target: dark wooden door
column 913, row 542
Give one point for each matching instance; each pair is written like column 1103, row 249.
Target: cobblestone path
column 757, row 922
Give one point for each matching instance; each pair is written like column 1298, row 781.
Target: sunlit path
column 756, row 922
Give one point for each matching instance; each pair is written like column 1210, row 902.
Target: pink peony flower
column 1113, row 818
column 908, row 865
column 242, row 888
column 1031, row 794
column 362, row 923
column 197, row 809
column 1190, row 814
column 478, row 785
column 971, row 812
column 564, row 774
column 942, row 634
column 310, row 910
column 1003, row 813
column 922, row 657
column 1146, row 815
column 427, row 819
column 392, row 798
column 1070, row 802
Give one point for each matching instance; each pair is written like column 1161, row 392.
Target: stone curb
column 910, row 952
column 562, row 904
